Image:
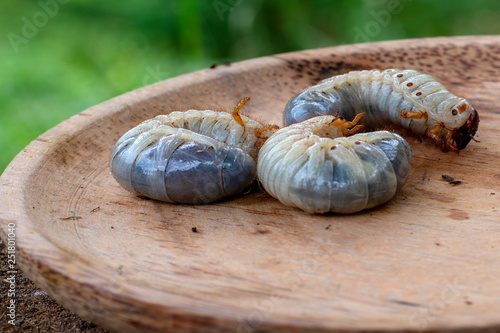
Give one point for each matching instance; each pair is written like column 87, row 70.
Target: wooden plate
column 427, row 260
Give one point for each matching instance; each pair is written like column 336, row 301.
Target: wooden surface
column 427, row 260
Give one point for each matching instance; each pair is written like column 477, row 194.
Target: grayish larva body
column 310, row 165
column 404, row 98
column 189, row 157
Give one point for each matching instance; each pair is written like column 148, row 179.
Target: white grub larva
column 404, row 98
column 312, row 166
column 191, row 157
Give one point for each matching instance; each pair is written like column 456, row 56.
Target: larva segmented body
column 310, row 165
column 189, row 157
column 400, row 97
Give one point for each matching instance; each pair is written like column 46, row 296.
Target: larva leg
column 354, row 121
column 236, row 111
column 258, row 132
column 433, row 132
column 351, row 131
column 436, row 134
column 349, row 127
column 449, row 142
column 414, row 114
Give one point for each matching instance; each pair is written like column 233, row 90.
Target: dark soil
column 35, row 310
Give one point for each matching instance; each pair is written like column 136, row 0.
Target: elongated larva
column 404, row 98
column 189, row 157
column 310, row 165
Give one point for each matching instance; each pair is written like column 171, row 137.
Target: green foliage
column 58, row 57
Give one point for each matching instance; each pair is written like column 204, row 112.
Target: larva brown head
column 464, row 134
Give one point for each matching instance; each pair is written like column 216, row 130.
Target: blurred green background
column 58, row 57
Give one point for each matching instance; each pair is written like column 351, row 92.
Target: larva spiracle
column 404, row 98
column 191, row 157
column 310, row 165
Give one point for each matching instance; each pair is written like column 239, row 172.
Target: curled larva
column 310, row 165
column 189, row 157
column 404, row 98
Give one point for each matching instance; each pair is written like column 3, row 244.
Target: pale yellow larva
column 189, row 157
column 312, row 166
column 404, row 98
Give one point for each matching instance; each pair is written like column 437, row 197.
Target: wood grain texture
column 427, row 260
